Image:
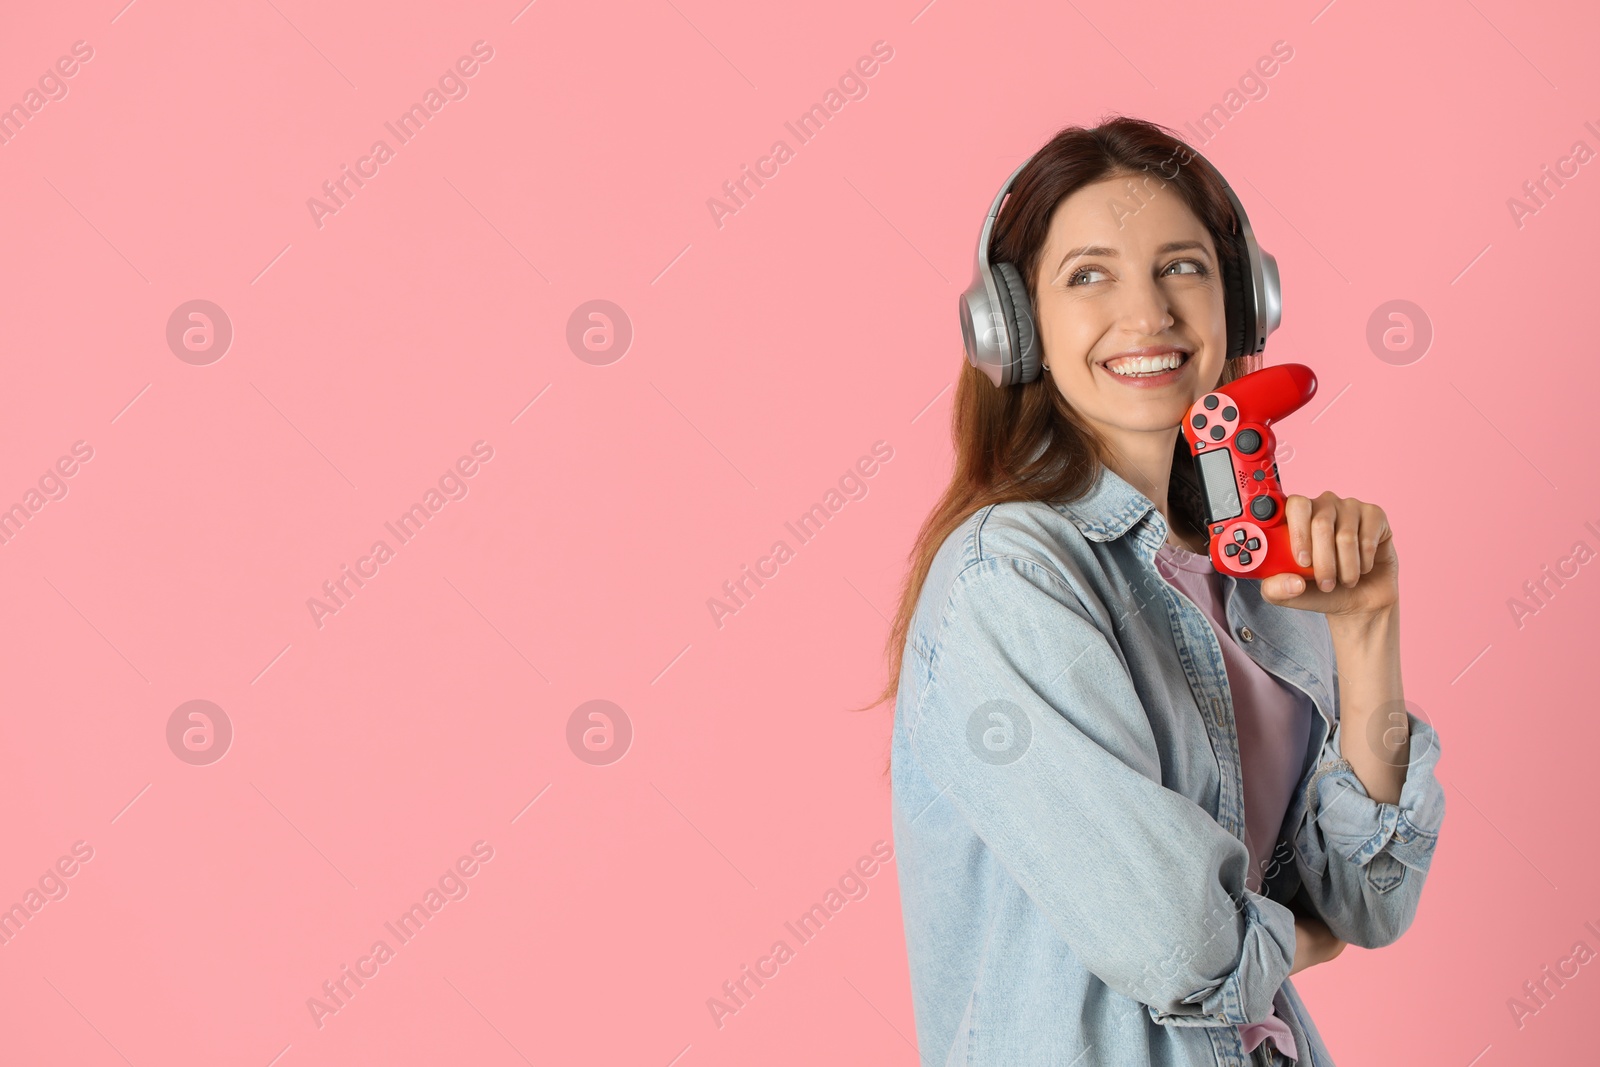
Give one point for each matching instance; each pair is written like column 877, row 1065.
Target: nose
column 1145, row 309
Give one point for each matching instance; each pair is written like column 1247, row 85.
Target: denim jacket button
column 1245, row 632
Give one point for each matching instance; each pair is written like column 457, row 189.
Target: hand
column 1349, row 545
column 1314, row 943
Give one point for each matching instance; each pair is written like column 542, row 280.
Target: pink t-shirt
column 1274, row 726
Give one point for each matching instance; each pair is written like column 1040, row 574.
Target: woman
column 1126, row 804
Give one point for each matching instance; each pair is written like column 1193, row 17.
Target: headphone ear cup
column 1018, row 312
column 1236, row 290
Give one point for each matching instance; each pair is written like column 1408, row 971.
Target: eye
column 1072, row 279
column 1199, row 268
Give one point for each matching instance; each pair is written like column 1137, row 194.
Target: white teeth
column 1137, row 365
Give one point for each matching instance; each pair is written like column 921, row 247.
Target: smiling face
column 1131, row 288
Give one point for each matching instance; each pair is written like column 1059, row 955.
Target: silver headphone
column 1007, row 349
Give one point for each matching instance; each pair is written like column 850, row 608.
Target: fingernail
column 1305, row 558
column 1327, row 585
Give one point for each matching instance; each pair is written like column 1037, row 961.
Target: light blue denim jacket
column 1068, row 806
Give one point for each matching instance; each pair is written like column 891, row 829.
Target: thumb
column 1280, row 588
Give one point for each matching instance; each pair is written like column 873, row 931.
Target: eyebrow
column 1111, row 253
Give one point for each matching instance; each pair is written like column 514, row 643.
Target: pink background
column 767, row 356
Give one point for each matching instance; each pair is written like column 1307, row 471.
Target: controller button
column 1238, row 535
column 1244, row 557
column 1249, row 442
column 1216, row 529
column 1263, row 507
column 1198, row 422
column 1253, row 544
column 1218, row 433
column 1258, row 475
column 1230, row 413
column 1211, row 402
column 1230, row 549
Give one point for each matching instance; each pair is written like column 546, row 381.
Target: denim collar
column 1110, row 508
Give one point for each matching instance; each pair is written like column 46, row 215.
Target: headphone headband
column 997, row 322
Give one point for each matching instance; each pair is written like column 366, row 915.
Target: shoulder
column 1017, row 602
column 1026, row 558
column 1027, row 531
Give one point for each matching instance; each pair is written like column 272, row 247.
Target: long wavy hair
column 1025, row 442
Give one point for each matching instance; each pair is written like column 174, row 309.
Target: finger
column 1347, row 540
column 1297, row 513
column 1324, row 555
column 1374, row 528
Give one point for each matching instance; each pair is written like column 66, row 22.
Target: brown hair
column 1025, row 442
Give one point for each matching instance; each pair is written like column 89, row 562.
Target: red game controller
column 1235, row 452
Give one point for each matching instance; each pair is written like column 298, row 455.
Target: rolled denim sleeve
column 1363, row 862
column 1031, row 725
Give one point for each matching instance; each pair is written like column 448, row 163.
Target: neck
column 1144, row 461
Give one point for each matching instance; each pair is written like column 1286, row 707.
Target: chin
column 1153, row 422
